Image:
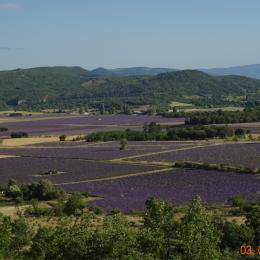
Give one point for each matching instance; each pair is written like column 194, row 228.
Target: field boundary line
column 118, row 162
column 116, row 177
column 166, row 151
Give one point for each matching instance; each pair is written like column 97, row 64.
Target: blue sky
column 124, row 33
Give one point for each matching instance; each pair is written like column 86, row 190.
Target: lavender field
column 177, row 186
column 245, row 154
column 75, row 124
column 29, row 169
column 102, row 151
column 127, row 182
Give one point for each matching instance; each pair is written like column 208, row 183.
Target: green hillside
column 71, row 86
column 40, row 85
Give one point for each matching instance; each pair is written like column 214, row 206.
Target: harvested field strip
column 27, row 141
column 144, row 163
column 7, row 156
column 116, row 177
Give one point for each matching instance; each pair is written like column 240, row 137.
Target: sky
column 183, row 34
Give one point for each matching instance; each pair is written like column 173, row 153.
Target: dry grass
column 28, row 141
column 17, row 142
column 238, row 219
column 12, row 211
column 7, row 156
column 213, row 109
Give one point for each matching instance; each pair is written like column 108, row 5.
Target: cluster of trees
column 150, row 131
column 44, row 190
column 198, row 235
column 223, row 117
column 154, row 131
column 200, row 133
column 66, row 205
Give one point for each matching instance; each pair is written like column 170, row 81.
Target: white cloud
column 8, row 6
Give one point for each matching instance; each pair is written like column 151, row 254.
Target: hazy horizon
column 121, row 34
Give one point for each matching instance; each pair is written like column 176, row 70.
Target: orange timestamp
column 249, row 250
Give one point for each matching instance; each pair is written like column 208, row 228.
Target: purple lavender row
column 177, row 186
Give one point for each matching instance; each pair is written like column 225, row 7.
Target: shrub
column 62, row 138
column 3, row 129
column 15, row 114
column 237, row 201
column 19, row 135
column 123, row 144
column 240, row 132
column 96, row 210
column 74, row 205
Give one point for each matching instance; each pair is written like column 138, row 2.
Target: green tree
column 118, row 240
column 159, row 218
column 102, row 109
column 81, row 110
column 158, row 213
column 235, row 235
column 13, row 190
column 199, row 238
column 15, row 237
column 62, row 138
column 151, row 110
column 126, row 109
column 123, row 144
column 74, row 205
column 253, row 221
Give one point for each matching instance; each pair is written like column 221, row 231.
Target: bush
column 13, row 190
column 62, row 138
column 74, row 205
column 123, row 144
column 96, row 210
column 19, row 135
column 237, row 201
column 3, row 129
column 235, row 234
column 240, row 132
column 15, row 114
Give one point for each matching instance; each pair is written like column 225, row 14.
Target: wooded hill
column 65, row 87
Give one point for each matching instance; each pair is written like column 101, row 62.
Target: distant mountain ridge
column 251, row 71
column 68, row 87
column 133, row 71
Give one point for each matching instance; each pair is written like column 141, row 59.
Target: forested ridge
column 72, row 86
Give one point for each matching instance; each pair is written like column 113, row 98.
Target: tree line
column 217, row 117
column 155, row 132
column 162, row 234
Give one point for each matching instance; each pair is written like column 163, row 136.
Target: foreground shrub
column 74, row 205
